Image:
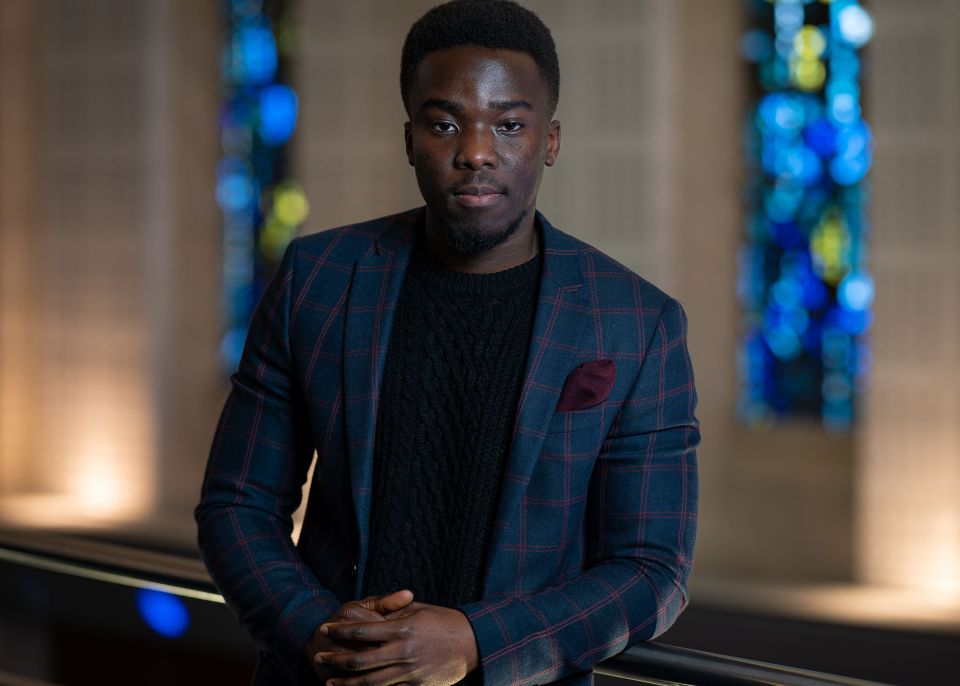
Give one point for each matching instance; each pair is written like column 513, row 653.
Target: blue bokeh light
column 252, row 56
column 821, row 136
column 787, row 292
column 278, row 114
column 784, row 342
column 847, row 171
column 163, row 612
column 782, row 201
column 781, row 113
column 844, row 107
column 788, row 17
column 854, row 25
column 787, row 234
column 236, row 191
column 855, row 292
column 854, row 322
column 854, row 140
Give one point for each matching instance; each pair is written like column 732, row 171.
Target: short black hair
column 497, row 24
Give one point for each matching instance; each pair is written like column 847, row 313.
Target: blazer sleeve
column 258, row 462
column 639, row 534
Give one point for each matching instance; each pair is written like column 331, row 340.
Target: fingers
column 388, row 603
column 385, row 677
column 405, row 612
column 355, row 611
column 349, row 661
column 365, row 632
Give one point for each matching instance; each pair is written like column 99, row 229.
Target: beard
column 468, row 240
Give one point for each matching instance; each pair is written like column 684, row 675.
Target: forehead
column 482, row 74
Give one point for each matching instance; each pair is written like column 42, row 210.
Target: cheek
column 428, row 168
column 430, row 158
column 527, row 170
column 525, row 157
column 424, row 158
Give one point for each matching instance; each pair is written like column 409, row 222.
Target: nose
column 476, row 150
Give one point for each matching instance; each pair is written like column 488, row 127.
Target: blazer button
column 353, row 569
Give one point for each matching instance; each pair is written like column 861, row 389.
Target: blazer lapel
column 559, row 322
column 377, row 279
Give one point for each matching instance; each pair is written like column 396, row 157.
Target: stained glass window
column 804, row 283
column 262, row 206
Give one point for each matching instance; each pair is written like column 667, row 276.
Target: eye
column 511, row 126
column 443, row 126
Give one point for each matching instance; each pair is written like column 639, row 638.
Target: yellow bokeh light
column 290, row 205
column 808, row 74
column 830, row 249
column 809, row 43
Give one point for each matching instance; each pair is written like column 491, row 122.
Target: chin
column 468, row 239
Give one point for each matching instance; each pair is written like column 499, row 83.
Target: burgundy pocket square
column 587, row 385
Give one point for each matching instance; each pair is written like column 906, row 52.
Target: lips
column 477, row 195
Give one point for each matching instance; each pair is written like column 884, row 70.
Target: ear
column 553, row 143
column 408, row 142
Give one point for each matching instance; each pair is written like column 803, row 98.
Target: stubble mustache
column 478, row 180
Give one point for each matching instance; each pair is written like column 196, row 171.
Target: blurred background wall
column 109, row 253
column 110, row 257
column 908, row 446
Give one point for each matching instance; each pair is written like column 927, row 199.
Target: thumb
column 389, row 603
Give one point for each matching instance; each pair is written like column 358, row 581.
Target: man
column 502, row 415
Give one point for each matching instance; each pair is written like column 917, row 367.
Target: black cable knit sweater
column 450, row 388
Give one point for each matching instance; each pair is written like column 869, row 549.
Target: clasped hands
column 390, row 639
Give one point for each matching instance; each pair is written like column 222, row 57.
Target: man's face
column 479, row 137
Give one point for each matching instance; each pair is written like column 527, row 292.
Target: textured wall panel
column 909, row 442
column 114, row 179
column 96, row 369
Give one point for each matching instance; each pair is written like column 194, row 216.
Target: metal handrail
column 674, row 665
column 110, row 562
column 649, row 663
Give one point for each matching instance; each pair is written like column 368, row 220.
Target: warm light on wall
column 942, row 567
column 908, row 464
column 908, row 531
column 891, row 606
column 100, row 468
column 105, row 486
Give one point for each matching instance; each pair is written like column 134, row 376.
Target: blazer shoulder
column 342, row 245
column 610, row 283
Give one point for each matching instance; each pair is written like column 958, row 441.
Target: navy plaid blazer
column 595, row 525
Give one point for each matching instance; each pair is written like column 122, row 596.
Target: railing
column 646, row 663
column 652, row 663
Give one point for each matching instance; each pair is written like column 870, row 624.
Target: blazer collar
column 399, row 233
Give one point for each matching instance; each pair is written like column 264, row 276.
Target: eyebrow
column 457, row 108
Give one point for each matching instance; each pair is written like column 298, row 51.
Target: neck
column 521, row 246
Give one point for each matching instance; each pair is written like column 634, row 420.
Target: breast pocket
column 575, row 436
